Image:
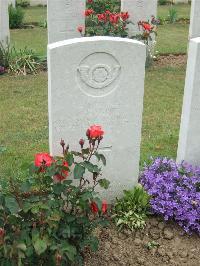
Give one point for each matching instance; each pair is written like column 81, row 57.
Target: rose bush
column 103, row 18
column 49, row 217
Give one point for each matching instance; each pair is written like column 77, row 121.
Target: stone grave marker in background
column 64, row 16
column 99, row 80
column 4, row 23
column 40, row 2
column 139, row 10
column 189, row 136
column 13, row 2
column 195, row 19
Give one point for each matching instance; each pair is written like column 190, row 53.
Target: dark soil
column 160, row 243
column 171, row 60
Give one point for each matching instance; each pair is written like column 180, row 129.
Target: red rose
column 94, row 207
column 95, row 132
column 104, row 206
column 2, row 232
column 43, row 159
column 90, row 1
column 89, row 12
column 147, row 26
column 124, row 16
column 80, row 29
column 63, row 175
column 114, row 18
column 102, row 17
column 107, row 12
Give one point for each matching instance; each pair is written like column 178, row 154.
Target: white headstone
column 195, row 19
column 4, row 23
column 39, row 2
column 189, row 137
column 64, row 17
column 139, row 10
column 12, row 2
column 99, row 80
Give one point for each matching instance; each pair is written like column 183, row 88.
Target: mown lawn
column 35, row 39
column 172, row 38
column 35, row 14
column 183, row 10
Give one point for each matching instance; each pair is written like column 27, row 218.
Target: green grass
column 162, row 109
column 35, row 39
column 24, row 122
column 172, row 38
column 35, row 14
column 183, row 10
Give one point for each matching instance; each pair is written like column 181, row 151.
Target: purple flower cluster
column 2, row 70
column 175, row 191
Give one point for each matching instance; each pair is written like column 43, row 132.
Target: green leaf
column 40, row 246
column 58, row 188
column 27, row 206
column 104, row 183
column 91, row 242
column 69, row 158
column 11, row 204
column 101, row 157
column 89, row 166
column 85, row 151
column 26, row 186
column 21, row 246
column 69, row 250
column 79, row 171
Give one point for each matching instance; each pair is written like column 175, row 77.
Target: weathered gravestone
column 195, row 19
column 4, row 23
column 189, row 138
column 99, row 80
column 139, row 10
column 39, row 2
column 64, row 16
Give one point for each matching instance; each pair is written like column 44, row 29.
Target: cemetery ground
column 24, row 132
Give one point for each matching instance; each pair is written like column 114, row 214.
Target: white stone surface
column 99, row 80
column 13, row 2
column 39, row 2
column 139, row 10
column 63, row 19
column 180, row 1
column 189, row 137
column 195, row 19
column 4, row 23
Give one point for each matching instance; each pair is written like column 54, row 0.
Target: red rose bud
column 80, row 29
column 90, row 1
column 89, row 12
column 104, row 206
column 94, row 207
column 81, row 142
column 62, row 143
column 63, row 175
column 88, row 133
column 2, row 232
column 58, row 258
